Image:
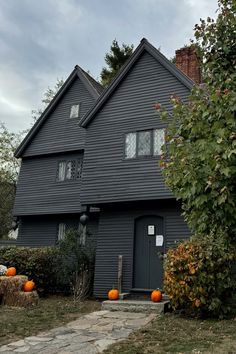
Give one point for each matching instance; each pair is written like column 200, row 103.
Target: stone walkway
column 90, row 334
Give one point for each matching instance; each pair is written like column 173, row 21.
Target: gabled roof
column 93, row 87
column 143, row 46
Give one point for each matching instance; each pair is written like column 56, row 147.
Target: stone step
column 135, row 306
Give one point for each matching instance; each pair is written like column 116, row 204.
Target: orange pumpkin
column 156, row 296
column 113, row 294
column 29, row 286
column 11, row 272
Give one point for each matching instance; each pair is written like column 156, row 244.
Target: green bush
column 66, row 268
column 38, row 264
column 77, row 260
column 198, row 276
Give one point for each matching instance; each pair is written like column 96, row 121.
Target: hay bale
column 12, row 284
column 21, row 299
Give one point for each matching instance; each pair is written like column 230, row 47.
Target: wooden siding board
column 38, row 192
column 107, row 176
column 116, row 237
column 59, row 133
column 41, row 231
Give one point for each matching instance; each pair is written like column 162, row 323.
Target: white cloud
column 41, row 41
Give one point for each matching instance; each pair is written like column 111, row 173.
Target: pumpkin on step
column 11, row 272
column 113, row 294
column 29, row 286
column 156, row 295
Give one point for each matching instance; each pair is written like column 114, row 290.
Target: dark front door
column 148, row 265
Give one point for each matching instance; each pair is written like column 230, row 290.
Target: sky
column 42, row 40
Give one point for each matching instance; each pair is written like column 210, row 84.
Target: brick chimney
column 187, row 61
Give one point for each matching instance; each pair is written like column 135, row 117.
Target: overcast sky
column 42, row 40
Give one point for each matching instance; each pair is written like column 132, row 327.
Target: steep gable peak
column 142, row 47
column 92, row 86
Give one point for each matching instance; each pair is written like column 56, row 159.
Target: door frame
column 135, row 227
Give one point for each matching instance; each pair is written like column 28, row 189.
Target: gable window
column 158, row 141
column 144, row 143
column 130, row 145
column 69, row 170
column 74, row 111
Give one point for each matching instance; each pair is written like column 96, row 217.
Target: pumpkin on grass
column 29, row 286
column 113, row 294
column 156, row 295
column 11, row 272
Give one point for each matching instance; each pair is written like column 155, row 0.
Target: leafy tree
column 9, row 168
column 115, row 59
column 47, row 97
column 199, row 162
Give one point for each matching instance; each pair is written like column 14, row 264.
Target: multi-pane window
column 144, row 143
column 69, row 170
column 74, row 111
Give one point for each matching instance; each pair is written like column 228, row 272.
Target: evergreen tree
column 115, row 59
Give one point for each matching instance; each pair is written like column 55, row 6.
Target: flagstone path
column 89, row 334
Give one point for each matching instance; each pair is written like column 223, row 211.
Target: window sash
column 144, row 143
column 158, row 141
column 61, row 170
column 61, row 231
column 130, row 145
column 74, row 111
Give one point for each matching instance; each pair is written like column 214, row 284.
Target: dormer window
column 144, row 143
column 74, row 111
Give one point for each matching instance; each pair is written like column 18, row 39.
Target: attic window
column 74, row 111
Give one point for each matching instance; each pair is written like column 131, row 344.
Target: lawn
column 53, row 311
column 175, row 334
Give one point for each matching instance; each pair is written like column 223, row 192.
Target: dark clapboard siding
column 107, row 176
column 116, row 237
column 59, row 133
column 40, row 231
column 38, row 192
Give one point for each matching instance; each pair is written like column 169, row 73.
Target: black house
column 98, row 151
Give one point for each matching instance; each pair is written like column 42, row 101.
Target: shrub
column 76, row 266
column 198, row 275
column 67, row 268
column 38, row 264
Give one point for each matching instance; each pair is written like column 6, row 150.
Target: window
column 69, row 170
column 74, row 111
column 144, row 143
column 61, row 231
column 159, row 141
column 82, row 234
column 130, row 145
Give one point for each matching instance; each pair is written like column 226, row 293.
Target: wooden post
column 120, row 265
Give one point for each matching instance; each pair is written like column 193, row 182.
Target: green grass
column 172, row 333
column 51, row 312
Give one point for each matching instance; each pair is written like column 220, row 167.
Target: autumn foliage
column 198, row 275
